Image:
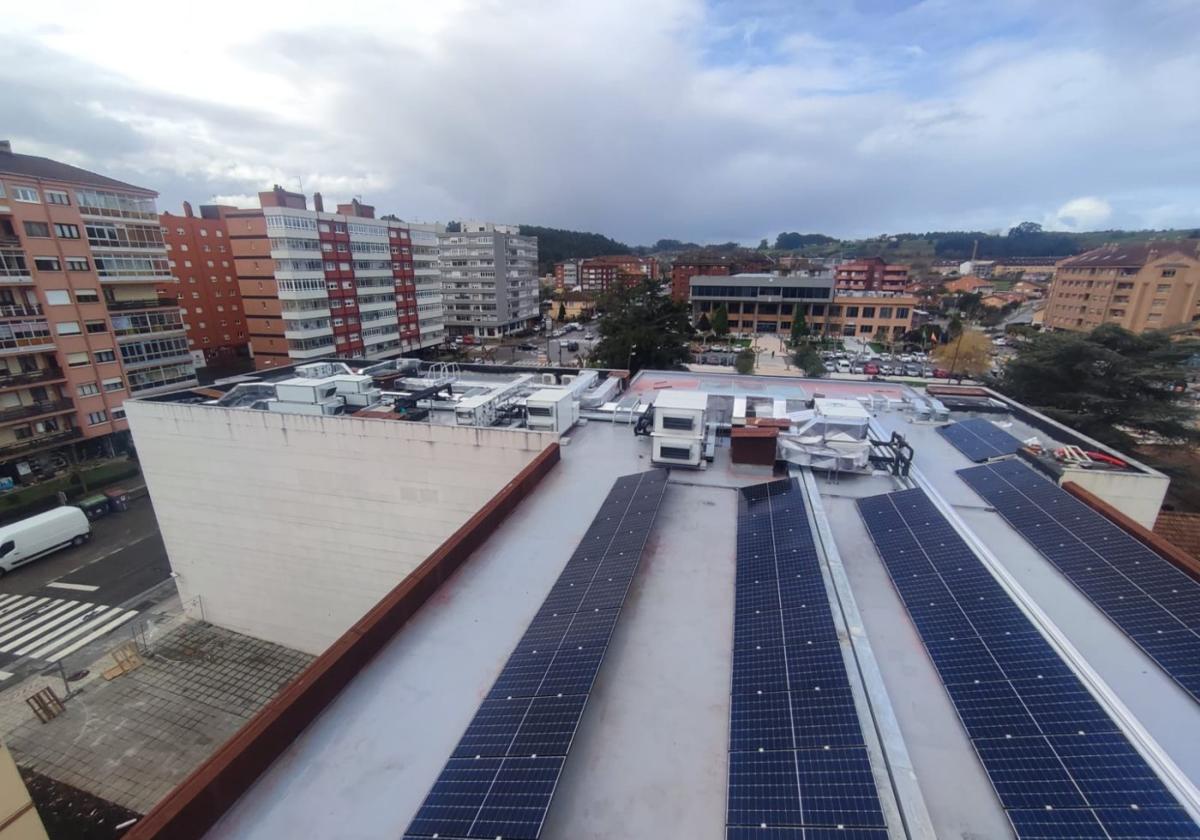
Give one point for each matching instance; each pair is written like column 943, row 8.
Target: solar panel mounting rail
column 500, row 779
column 1152, row 601
column 798, row 764
column 1059, row 764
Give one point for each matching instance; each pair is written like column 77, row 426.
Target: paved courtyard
column 131, row 740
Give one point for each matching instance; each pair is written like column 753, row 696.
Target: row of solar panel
column 980, row 440
column 1156, row 604
column 1059, row 764
column 501, row 776
column 798, row 767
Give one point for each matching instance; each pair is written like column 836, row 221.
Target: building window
column 46, row 264
column 78, row 264
column 87, row 296
column 57, row 297
column 902, row 312
column 88, row 389
column 115, row 384
column 57, row 197
column 94, row 418
column 65, row 231
column 1168, row 272
column 105, row 356
column 67, row 328
column 96, row 326
column 1163, row 287
column 26, row 194
column 77, row 359
column 39, row 229
column 118, row 414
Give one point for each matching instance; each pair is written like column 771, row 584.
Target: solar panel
column 797, row 764
column 980, row 440
column 1059, row 764
column 1156, row 604
column 501, row 776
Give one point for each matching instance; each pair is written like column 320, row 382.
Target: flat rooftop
column 650, row 758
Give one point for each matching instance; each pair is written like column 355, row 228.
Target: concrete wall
column 290, row 527
column 1137, row 495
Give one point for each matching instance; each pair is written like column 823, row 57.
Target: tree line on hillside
column 556, row 245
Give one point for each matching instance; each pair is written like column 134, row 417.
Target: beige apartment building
column 1139, row 286
column 82, row 326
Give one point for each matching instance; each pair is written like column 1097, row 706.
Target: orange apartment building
column 871, row 274
column 315, row 284
column 1139, row 286
column 204, row 285
column 82, row 325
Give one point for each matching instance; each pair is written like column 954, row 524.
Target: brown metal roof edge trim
column 195, row 804
column 1181, row 559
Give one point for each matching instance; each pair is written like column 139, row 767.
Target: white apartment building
column 489, row 279
column 431, row 315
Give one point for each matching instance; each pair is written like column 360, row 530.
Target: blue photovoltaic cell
column 501, row 777
column 980, row 440
column 1156, row 604
column 797, row 764
column 1060, row 766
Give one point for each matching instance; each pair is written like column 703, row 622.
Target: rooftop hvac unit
column 549, row 379
column 550, row 410
column 680, row 414
column 680, row 452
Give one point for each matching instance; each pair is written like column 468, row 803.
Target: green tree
column 642, row 327
column 763, row 245
column 800, row 329
column 744, row 361
column 702, row 324
column 720, row 321
column 1110, row 384
column 562, row 312
column 954, row 328
column 809, row 360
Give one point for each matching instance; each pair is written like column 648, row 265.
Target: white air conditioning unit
column 682, row 452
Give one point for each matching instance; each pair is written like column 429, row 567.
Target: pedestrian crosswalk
column 51, row 628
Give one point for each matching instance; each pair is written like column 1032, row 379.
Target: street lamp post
column 629, row 362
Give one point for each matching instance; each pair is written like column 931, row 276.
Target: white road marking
column 68, row 611
column 4, row 675
column 80, row 587
column 19, row 605
column 15, row 616
column 72, row 631
column 65, row 631
column 112, row 625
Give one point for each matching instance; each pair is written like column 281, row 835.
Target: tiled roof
column 1133, row 253
column 32, row 166
column 1182, row 530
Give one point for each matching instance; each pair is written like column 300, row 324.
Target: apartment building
column 489, row 279
column 315, row 283
column 600, row 275
column 687, row 266
column 1139, row 286
column 204, row 286
column 427, row 272
column 882, row 316
column 82, row 326
column 871, row 274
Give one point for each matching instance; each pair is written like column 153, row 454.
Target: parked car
column 526, row 346
column 857, row 367
column 927, row 372
column 37, row 536
column 871, row 369
column 843, row 366
column 941, row 373
column 912, row 370
column 886, row 368
column 572, row 346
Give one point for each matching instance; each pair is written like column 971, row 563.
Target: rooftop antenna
column 975, row 250
column 300, row 181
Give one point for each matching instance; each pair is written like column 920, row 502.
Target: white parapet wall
column 290, row 527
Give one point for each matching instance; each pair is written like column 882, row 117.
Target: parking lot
column 567, row 348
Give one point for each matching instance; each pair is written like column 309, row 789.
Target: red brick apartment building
column 597, row 275
column 316, row 284
column 687, row 266
column 871, row 274
column 205, row 284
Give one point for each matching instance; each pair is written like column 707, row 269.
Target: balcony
column 33, row 377
column 34, row 444
column 300, row 333
column 305, row 314
column 20, row 310
column 22, row 412
column 145, row 303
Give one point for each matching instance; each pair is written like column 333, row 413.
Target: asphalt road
column 69, row 607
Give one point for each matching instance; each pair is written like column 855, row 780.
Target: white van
column 39, row 535
column 843, row 366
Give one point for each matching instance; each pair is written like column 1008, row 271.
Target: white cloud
column 1084, row 213
column 636, row 118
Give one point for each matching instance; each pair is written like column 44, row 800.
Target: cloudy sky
column 640, row 119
